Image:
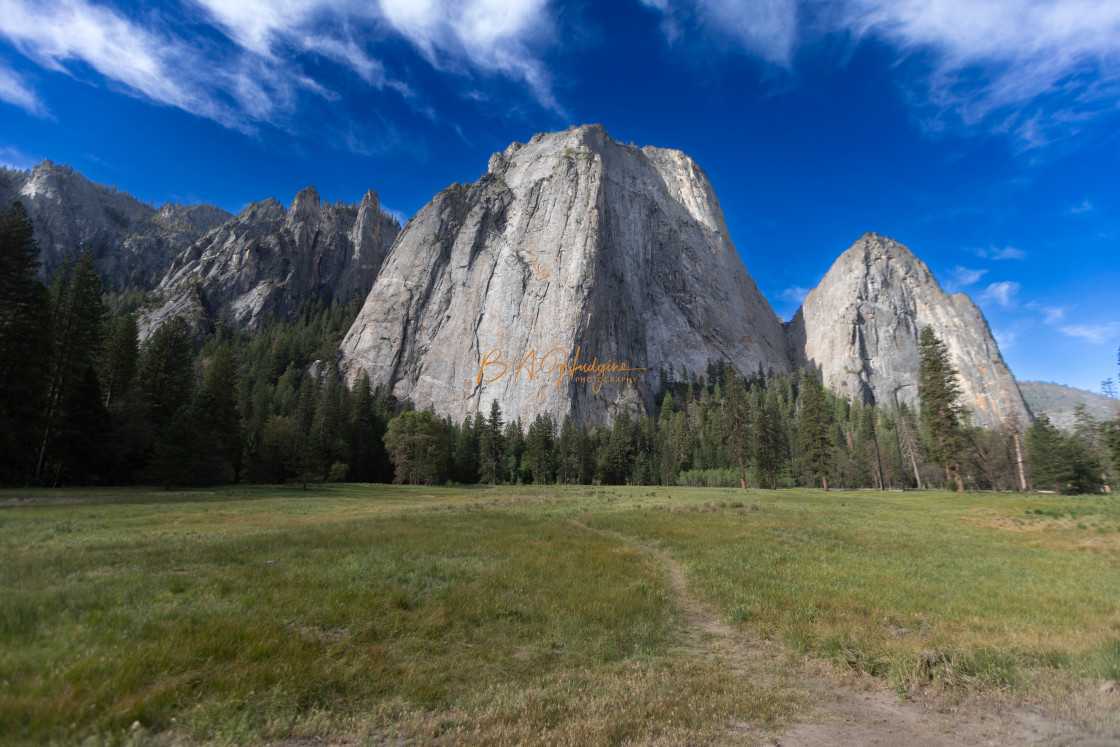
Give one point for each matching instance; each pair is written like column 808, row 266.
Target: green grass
column 473, row 614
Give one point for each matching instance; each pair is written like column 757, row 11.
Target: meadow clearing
column 393, row 614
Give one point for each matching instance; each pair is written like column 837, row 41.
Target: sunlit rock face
column 859, row 329
column 268, row 260
column 576, row 247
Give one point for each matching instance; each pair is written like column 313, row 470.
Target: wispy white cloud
column 1053, row 314
column 259, row 78
column 1026, row 68
column 397, row 214
column 766, row 28
column 158, row 67
column 1050, row 314
column 1094, row 333
column 501, row 37
column 1030, row 70
column 14, row 158
column 1005, row 338
column 1008, row 252
column 963, row 276
column 15, row 91
column 1084, row 207
column 1005, row 293
column 794, row 294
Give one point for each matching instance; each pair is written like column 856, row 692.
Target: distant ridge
column 1058, row 401
column 133, row 242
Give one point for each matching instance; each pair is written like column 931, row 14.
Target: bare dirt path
column 842, row 714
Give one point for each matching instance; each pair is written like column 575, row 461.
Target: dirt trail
column 840, row 714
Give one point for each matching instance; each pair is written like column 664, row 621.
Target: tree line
column 83, row 403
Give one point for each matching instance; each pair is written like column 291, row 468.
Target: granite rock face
column 859, row 329
column 133, row 242
column 571, row 242
column 268, row 260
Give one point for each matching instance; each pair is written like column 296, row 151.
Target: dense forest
column 84, row 404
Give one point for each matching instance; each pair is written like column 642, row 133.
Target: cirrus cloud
column 1094, row 333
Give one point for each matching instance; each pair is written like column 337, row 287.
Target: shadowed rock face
column 268, row 260
column 570, row 242
column 133, row 243
column 859, row 328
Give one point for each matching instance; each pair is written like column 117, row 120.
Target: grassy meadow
column 467, row 614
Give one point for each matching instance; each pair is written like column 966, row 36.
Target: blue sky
column 983, row 134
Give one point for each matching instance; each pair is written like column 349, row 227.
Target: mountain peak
column 576, row 247
column 859, row 329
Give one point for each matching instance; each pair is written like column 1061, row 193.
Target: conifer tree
column 119, row 357
column 25, row 347
column 738, row 425
column 870, row 433
column 538, row 448
column 490, row 447
column 770, row 438
column 939, row 392
column 1048, row 469
column 219, row 420
column 565, row 446
column 814, row 429
column 465, row 452
column 166, row 370
column 513, row 443
column 617, row 461
column 368, row 457
column 77, row 326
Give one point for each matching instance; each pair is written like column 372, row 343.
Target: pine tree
column 565, row 446
column 166, row 370
column 538, row 448
column 770, row 438
column 1048, row 469
column 369, row 460
column 617, row 461
column 738, row 425
column 908, row 445
column 219, row 420
column 465, row 453
column 870, row 435
column 25, row 347
column 490, row 446
column 77, row 325
column 119, row 357
column 939, row 392
column 513, row 442
column 814, row 428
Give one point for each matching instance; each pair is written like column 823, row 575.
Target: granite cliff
column 571, row 249
column 133, row 242
column 268, row 260
column 859, row 329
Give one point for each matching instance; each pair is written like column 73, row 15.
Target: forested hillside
column 85, row 404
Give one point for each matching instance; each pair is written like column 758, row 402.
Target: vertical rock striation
column 268, row 260
column 859, row 329
column 571, row 242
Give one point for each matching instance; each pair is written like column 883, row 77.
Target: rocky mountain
column 1058, row 401
column 571, row 250
column 268, row 260
column 132, row 241
column 859, row 328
